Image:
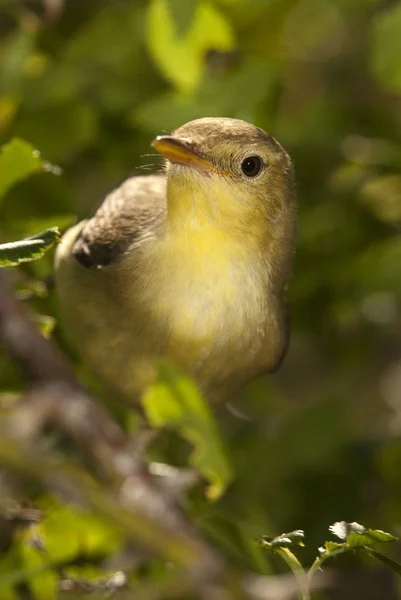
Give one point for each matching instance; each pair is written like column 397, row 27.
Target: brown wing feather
column 127, row 214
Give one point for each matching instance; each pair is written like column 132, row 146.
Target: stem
column 319, row 560
column 297, row 569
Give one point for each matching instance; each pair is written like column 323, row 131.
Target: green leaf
column 394, row 565
column 180, row 58
column 18, row 160
column 285, row 540
column 357, row 536
column 174, row 401
column 14, row 253
column 44, row 583
column 368, row 538
column 330, row 547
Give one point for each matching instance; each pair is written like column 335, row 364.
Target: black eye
column 251, row 166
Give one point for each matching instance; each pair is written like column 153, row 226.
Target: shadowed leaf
column 14, row 253
column 183, row 14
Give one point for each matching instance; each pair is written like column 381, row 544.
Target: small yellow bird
column 190, row 265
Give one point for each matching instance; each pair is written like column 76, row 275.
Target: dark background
column 90, row 83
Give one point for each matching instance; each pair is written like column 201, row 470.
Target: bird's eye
column 251, row 166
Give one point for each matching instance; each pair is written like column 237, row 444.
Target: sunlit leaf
column 355, row 538
column 174, row 401
column 43, row 583
column 18, row 160
column 330, row 547
column 181, row 57
column 14, row 253
column 357, row 535
column 69, row 531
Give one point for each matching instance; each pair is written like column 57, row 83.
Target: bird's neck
column 208, row 220
column 208, row 228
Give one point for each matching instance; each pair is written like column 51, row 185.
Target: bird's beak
column 181, row 152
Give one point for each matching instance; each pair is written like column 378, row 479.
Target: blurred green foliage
column 89, row 84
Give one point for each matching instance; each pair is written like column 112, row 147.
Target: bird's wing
column 128, row 214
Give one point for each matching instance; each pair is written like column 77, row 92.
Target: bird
column 189, row 265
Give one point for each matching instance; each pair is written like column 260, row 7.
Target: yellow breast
column 208, row 292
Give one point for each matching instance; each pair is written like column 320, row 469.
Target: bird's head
column 229, row 175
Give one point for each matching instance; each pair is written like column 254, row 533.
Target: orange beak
column 181, row 152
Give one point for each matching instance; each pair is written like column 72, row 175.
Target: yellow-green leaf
column 68, row 531
column 43, row 584
column 174, row 401
column 180, row 57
